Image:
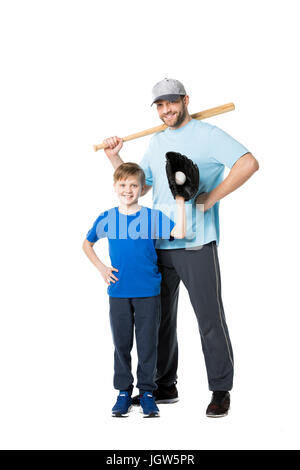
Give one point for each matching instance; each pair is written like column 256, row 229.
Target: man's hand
column 114, row 145
column 107, row 274
column 206, row 200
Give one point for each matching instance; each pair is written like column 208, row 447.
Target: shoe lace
column 121, row 398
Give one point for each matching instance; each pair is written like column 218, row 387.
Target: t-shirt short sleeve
column 99, row 228
column 145, row 164
column 224, row 149
column 162, row 225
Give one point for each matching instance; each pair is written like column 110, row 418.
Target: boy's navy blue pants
column 141, row 314
column 199, row 270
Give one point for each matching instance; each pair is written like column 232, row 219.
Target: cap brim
column 170, row 98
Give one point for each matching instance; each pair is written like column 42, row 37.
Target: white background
column 73, row 73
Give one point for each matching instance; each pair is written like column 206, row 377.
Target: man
column 193, row 260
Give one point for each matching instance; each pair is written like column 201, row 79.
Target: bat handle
column 99, row 147
column 104, row 146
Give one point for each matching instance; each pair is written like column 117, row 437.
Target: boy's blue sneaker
column 148, row 405
column 123, row 405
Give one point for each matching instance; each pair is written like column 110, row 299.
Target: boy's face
column 128, row 190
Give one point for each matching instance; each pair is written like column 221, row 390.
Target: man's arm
column 112, row 152
column 146, row 189
column 241, row 171
column 114, row 145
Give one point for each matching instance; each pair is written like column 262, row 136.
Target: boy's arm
column 180, row 227
column 105, row 271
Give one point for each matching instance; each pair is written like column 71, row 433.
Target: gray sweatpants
column 199, row 271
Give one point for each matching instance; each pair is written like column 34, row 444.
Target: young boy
column 133, row 282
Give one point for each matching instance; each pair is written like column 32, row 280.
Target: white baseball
column 180, row 177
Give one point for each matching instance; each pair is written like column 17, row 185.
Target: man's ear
column 186, row 100
column 143, row 190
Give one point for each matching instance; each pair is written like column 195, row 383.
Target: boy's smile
column 128, row 191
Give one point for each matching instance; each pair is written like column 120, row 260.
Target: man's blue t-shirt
column 212, row 150
column 132, row 239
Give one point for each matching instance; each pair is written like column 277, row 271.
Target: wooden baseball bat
column 225, row 108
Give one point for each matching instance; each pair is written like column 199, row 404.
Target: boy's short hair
column 129, row 169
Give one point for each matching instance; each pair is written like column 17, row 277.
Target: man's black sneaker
column 162, row 395
column 136, row 400
column 166, row 394
column 219, row 405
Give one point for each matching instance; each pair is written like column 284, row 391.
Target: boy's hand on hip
column 107, row 274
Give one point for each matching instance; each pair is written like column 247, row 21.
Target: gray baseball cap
column 167, row 89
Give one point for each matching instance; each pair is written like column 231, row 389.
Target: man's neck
column 184, row 123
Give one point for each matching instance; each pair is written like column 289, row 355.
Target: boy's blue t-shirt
column 132, row 240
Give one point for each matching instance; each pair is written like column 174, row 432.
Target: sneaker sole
column 167, row 401
column 217, row 416
column 150, row 415
column 163, row 402
column 121, row 415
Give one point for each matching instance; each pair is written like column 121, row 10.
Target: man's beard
column 180, row 118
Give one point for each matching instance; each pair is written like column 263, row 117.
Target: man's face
column 128, row 190
column 173, row 113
